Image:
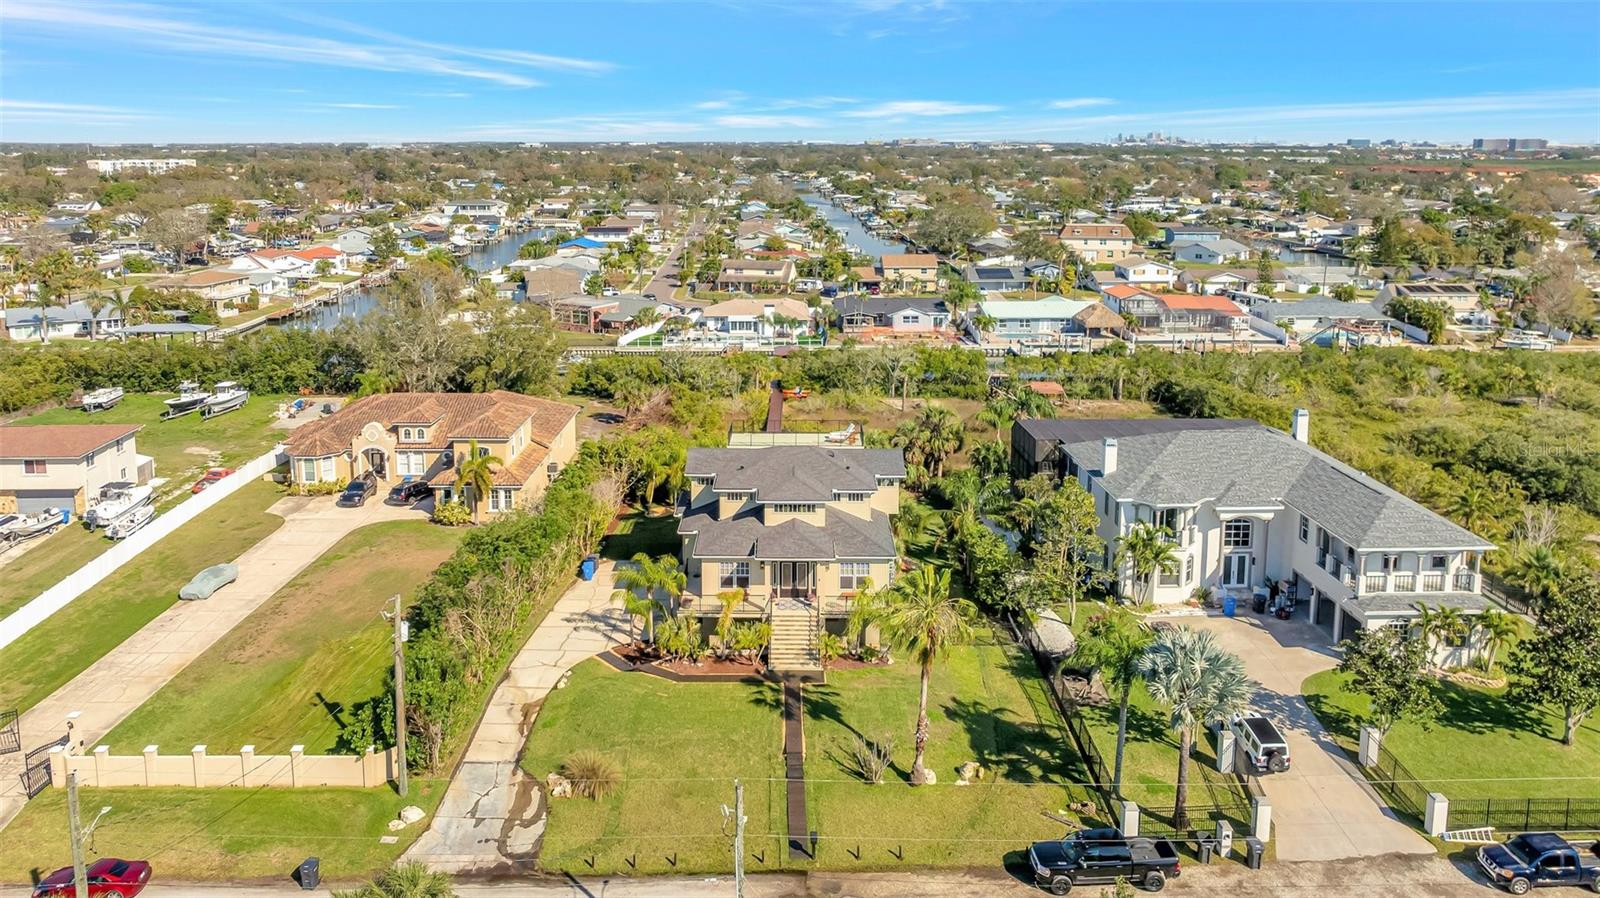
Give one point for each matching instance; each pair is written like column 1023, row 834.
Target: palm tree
column 1190, row 673
column 1495, row 629
column 648, row 577
column 911, row 524
column 646, row 317
column 1538, row 571
column 919, row 616
column 983, row 323
column 1114, row 643
column 1440, row 625
column 412, row 879
column 1146, row 549
column 476, row 475
column 1472, row 508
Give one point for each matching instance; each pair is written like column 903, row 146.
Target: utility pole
column 738, row 839
column 80, row 875
column 400, row 696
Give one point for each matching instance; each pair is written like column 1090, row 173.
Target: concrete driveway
column 127, row 676
column 1322, row 809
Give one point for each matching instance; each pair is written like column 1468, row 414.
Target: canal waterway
column 854, row 232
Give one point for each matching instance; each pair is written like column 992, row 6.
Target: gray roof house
column 1248, row 505
column 901, row 315
column 1210, row 252
column 995, row 278
column 71, row 320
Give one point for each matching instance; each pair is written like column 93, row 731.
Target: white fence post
column 1129, row 819
column 1261, row 819
column 1371, row 743
column 1436, row 818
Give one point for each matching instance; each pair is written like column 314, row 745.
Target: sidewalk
column 127, row 676
column 492, row 816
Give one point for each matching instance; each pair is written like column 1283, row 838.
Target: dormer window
column 854, row 497
column 413, row 434
column 793, row 507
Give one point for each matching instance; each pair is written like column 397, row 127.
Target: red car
column 109, row 877
column 211, row 476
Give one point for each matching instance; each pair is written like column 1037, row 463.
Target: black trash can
column 1259, row 604
column 310, row 873
column 1253, row 850
column 1204, row 848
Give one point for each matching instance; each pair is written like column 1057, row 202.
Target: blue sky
column 112, row 71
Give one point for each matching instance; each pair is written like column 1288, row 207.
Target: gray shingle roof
column 795, row 473
column 1405, row 603
column 843, row 535
column 1242, row 464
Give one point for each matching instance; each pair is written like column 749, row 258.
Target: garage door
column 30, row 501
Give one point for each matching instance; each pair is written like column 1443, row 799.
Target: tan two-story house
column 66, row 465
column 796, row 530
column 911, row 272
column 410, row 436
column 1099, row 242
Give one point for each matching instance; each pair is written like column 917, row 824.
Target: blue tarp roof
column 585, row 242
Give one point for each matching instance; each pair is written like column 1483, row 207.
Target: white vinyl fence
column 80, row 581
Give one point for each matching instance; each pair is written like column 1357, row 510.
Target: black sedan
column 359, row 491
column 408, row 492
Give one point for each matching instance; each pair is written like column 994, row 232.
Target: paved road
column 492, row 815
column 1321, row 807
column 661, row 283
column 127, row 676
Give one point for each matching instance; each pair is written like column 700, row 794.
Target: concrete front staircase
column 795, row 636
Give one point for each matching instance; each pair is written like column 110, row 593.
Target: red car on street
column 109, row 877
column 211, row 476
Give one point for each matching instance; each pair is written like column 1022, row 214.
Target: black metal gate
column 36, row 768
column 10, row 733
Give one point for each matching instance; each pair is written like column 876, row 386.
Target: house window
column 1390, row 563
column 1236, row 533
column 410, row 464
column 735, row 575
column 89, row 459
column 1188, row 570
column 793, row 508
column 35, row 466
column 1438, row 562
column 701, row 481
column 500, row 499
column 1105, row 503
column 1305, row 528
column 854, row 497
column 738, row 497
column 912, row 319
column 308, row 470
column 551, row 470
column 854, row 574
column 1169, row 575
column 327, row 468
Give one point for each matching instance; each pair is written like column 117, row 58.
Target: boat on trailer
column 132, row 522
column 229, row 396
column 15, row 528
column 116, row 501
column 102, row 399
column 189, row 399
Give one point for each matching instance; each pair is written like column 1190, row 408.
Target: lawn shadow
column 335, row 710
column 1478, row 712
column 1012, row 749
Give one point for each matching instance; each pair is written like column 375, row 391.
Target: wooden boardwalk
column 794, row 766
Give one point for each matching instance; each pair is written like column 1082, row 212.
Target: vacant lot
column 76, row 636
column 303, row 658
column 221, row 834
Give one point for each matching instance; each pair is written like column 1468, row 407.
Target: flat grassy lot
column 639, row 532
column 986, row 704
column 303, row 658
column 678, row 747
column 221, row 834
column 1481, row 746
column 1150, row 758
column 26, row 572
column 76, row 636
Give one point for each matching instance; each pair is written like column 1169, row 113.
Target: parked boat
column 190, row 397
column 14, row 528
column 130, row 524
column 228, row 397
column 102, row 399
column 1528, row 341
column 116, row 501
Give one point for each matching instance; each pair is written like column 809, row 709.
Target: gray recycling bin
column 310, row 873
column 1253, row 850
column 1204, row 849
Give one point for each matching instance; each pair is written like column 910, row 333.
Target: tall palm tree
column 911, row 524
column 412, row 879
column 1495, row 630
column 917, row 615
column 1146, row 549
column 1538, row 571
column 983, row 323
column 1472, row 508
column 649, row 578
column 475, row 475
column 1115, row 643
column 1199, row 681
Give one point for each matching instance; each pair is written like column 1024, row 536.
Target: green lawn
column 1150, row 758
column 26, row 573
column 73, row 638
column 1481, row 746
column 678, row 748
column 305, row 656
column 638, row 532
column 221, row 834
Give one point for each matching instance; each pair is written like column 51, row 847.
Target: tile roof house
column 911, row 272
column 896, row 314
column 1246, row 504
column 1460, row 300
column 66, row 465
column 409, row 436
column 1180, row 313
column 1098, row 242
column 798, row 530
column 750, row 275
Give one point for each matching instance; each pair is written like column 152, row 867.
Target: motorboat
column 228, row 396
column 15, row 528
column 190, row 397
column 130, row 524
column 116, row 501
column 1528, row 341
column 102, row 399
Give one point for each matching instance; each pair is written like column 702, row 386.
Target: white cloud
column 811, row 102
column 67, row 113
column 920, row 108
column 765, row 121
column 170, row 30
column 359, row 106
column 1081, row 102
column 448, row 94
column 714, row 104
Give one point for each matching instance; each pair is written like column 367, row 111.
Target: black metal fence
column 1398, row 785
column 1523, row 814
column 10, row 732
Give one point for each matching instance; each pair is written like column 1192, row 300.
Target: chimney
column 1108, row 465
column 1301, row 429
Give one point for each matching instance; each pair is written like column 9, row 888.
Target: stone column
column 247, row 764
column 1436, row 818
column 149, row 764
column 1128, row 819
column 100, row 754
column 1371, row 745
column 295, row 751
column 58, row 766
column 198, row 755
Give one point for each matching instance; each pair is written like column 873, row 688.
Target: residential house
column 751, row 275
column 399, row 437
column 1141, row 272
column 580, row 312
column 1461, row 301
column 1325, row 320
column 754, row 209
column 1180, row 313
column 475, row 208
column 550, row 281
column 66, row 465
column 1172, row 235
column 355, row 241
column 1246, row 505
column 755, row 319
column 224, row 288
column 797, row 530
column 1216, row 280
column 996, row 278
column 1213, row 252
column 1052, row 318
column 911, row 272
column 76, row 319
column 895, row 316
column 1098, row 242
column 1320, row 278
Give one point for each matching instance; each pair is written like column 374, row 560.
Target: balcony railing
column 1433, row 582
column 1405, row 582
column 1465, row 581
column 1375, row 583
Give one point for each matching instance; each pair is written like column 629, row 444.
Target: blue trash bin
column 587, row 568
column 1230, row 604
column 66, row 515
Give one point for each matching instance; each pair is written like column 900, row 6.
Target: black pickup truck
column 1102, row 856
column 1538, row 859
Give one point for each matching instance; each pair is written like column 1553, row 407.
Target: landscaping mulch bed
column 638, row 658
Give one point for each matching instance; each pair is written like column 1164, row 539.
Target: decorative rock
column 971, row 771
column 411, row 814
column 396, row 825
column 558, row 786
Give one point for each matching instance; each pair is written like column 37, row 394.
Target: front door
column 1236, row 570
column 794, row 579
column 378, row 464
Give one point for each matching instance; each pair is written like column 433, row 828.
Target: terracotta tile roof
column 1198, row 302
column 1098, row 231
column 1123, row 291
column 910, row 260
column 317, row 252
column 59, row 440
column 483, row 416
